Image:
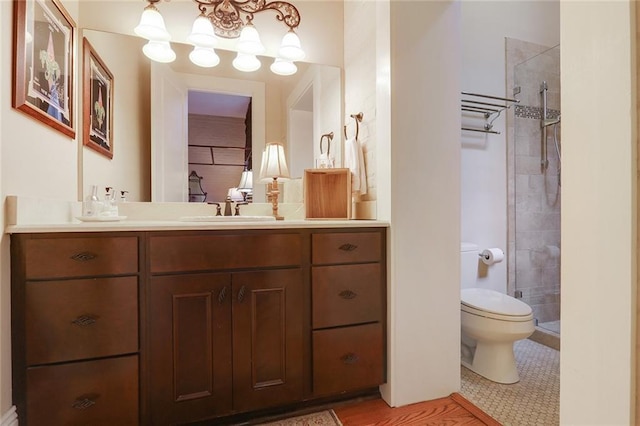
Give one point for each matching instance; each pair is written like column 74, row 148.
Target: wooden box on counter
column 327, row 193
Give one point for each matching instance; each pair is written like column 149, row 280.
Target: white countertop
column 157, row 225
column 29, row 215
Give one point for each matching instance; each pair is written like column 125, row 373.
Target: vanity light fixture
column 274, row 167
column 231, row 19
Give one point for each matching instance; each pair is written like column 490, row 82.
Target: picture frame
column 97, row 102
column 43, row 63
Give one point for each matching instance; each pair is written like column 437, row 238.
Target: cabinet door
column 267, row 338
column 189, row 347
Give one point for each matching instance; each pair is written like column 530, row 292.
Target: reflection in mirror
column 315, row 90
column 196, row 194
column 219, row 139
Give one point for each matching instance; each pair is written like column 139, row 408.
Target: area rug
column 321, row 418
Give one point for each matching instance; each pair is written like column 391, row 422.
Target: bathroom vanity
column 175, row 324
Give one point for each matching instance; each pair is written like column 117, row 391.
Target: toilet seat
column 493, row 304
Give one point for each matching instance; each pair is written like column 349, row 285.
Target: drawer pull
column 85, row 320
column 241, row 294
column 347, row 294
column 85, row 256
column 83, row 404
column 222, row 295
column 349, row 358
column 348, row 247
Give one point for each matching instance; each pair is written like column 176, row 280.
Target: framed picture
column 97, row 101
column 44, row 37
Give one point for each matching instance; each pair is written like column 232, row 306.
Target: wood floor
column 450, row 411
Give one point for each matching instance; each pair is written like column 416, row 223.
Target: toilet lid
column 494, row 302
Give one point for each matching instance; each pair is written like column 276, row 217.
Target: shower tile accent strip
column 535, row 113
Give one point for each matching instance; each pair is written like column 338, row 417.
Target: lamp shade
column 202, row 34
column 249, row 41
column 246, row 181
column 290, row 47
column 159, row 51
column 283, row 67
column 204, row 57
column 274, row 164
column 246, row 63
column 152, row 26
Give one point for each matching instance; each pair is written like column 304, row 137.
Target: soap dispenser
column 111, row 208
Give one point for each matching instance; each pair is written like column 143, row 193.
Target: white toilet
column 491, row 323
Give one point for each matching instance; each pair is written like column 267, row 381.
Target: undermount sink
column 226, row 218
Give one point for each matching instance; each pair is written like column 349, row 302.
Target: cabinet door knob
column 83, row 404
column 347, row 294
column 348, row 247
column 222, row 295
column 349, row 358
column 84, row 256
column 85, row 320
column 241, row 294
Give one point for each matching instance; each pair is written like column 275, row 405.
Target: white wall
column 485, row 24
column 599, row 213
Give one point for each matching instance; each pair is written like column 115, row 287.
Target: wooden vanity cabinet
column 348, row 310
column 75, row 328
column 225, row 324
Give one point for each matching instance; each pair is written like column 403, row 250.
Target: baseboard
column 10, row 418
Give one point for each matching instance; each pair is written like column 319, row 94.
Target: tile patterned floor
column 533, row 401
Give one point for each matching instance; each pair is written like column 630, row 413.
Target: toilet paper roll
column 492, row 255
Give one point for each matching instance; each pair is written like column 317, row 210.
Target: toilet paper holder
column 491, row 255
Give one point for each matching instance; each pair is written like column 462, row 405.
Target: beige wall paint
column 129, row 169
column 599, row 213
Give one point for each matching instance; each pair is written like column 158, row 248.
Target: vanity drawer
column 84, row 318
column 103, row 392
column 84, row 256
column 346, row 294
column 347, row 358
column 216, row 252
column 346, row 247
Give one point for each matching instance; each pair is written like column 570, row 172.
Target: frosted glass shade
column 283, row 67
column 274, row 163
column 246, row 63
column 159, row 51
column 204, row 57
column 202, row 34
column 151, row 25
column 290, row 47
column 249, row 41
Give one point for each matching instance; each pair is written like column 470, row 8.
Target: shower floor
column 553, row 326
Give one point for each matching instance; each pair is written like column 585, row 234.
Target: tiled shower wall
column 534, row 195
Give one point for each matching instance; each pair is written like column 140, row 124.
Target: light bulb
column 246, row 63
column 290, row 47
column 159, row 51
column 151, row 25
column 283, row 67
column 204, row 57
column 249, row 41
column 202, row 33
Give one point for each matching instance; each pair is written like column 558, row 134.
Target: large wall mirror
column 295, row 110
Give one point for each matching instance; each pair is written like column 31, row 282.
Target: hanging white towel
column 354, row 161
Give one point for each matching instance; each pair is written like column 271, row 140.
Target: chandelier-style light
column 228, row 19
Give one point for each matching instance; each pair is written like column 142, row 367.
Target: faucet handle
column 238, row 204
column 218, row 209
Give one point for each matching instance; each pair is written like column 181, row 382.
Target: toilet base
column 493, row 361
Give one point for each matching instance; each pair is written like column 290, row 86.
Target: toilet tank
column 468, row 265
